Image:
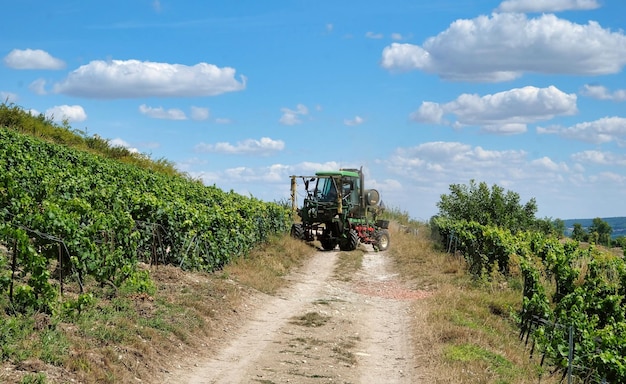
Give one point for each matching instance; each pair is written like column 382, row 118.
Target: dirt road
column 320, row 330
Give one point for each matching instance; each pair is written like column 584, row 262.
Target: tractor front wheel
column 351, row 242
column 328, row 244
column 382, row 239
column 297, row 231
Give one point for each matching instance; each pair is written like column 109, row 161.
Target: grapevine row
column 565, row 285
column 108, row 216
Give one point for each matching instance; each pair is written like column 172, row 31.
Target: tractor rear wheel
column 297, row 231
column 382, row 239
column 351, row 242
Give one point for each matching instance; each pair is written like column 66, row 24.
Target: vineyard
column 69, row 218
column 573, row 305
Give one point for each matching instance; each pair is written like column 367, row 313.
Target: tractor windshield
column 326, row 190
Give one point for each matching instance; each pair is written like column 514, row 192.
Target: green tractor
column 338, row 210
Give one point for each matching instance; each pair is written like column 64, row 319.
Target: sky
column 528, row 95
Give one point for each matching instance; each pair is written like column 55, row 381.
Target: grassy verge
column 465, row 331
column 126, row 336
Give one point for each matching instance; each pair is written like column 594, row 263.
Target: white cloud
column 602, row 93
column 38, row 87
column 505, row 112
column 117, row 142
column 32, row 59
column 440, row 161
column 428, row 112
column 329, row 27
column 397, row 36
column 358, row 120
column 503, row 46
column 604, row 130
column 291, row 116
column 548, row 164
column 199, row 113
column 608, row 177
column 263, row 147
column 132, row 78
column 223, row 120
column 71, row 113
column 373, row 35
column 8, row 97
column 546, row 6
column 599, row 157
column 161, row 113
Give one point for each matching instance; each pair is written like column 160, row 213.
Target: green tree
column 600, row 232
column 551, row 227
column 487, row 206
column 579, row 233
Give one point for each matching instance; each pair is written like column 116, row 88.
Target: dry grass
column 264, row 268
column 137, row 337
column 464, row 332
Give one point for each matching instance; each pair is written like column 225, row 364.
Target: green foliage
column 15, row 118
column 495, row 207
column 34, row 378
column 564, row 286
column 579, row 233
column 600, row 232
column 66, row 213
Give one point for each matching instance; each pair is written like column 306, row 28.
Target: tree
column 578, row 233
column 487, row 206
column 548, row 226
column 600, row 232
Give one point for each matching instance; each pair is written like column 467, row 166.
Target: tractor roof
column 337, row 173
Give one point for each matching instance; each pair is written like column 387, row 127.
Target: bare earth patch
column 318, row 330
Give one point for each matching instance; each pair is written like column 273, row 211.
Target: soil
column 321, row 329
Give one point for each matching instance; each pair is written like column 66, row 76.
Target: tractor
column 338, row 211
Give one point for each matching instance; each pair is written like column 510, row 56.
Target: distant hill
column 617, row 223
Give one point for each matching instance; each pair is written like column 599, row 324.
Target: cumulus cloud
column 600, row 158
column 292, row 116
column 263, row 147
column 604, row 130
column 32, row 59
column 440, row 160
column 71, row 113
column 602, row 93
column 358, row 120
column 133, row 78
column 117, row 142
column 161, row 113
column 199, row 113
column 545, row 163
column 546, row 6
column 505, row 112
column 504, row 46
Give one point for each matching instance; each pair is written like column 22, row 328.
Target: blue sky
column 525, row 94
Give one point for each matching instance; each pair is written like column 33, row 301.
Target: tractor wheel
column 382, row 240
column 297, row 231
column 351, row 242
column 328, row 244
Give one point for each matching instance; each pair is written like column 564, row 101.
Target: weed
column 34, row 378
column 311, row 319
